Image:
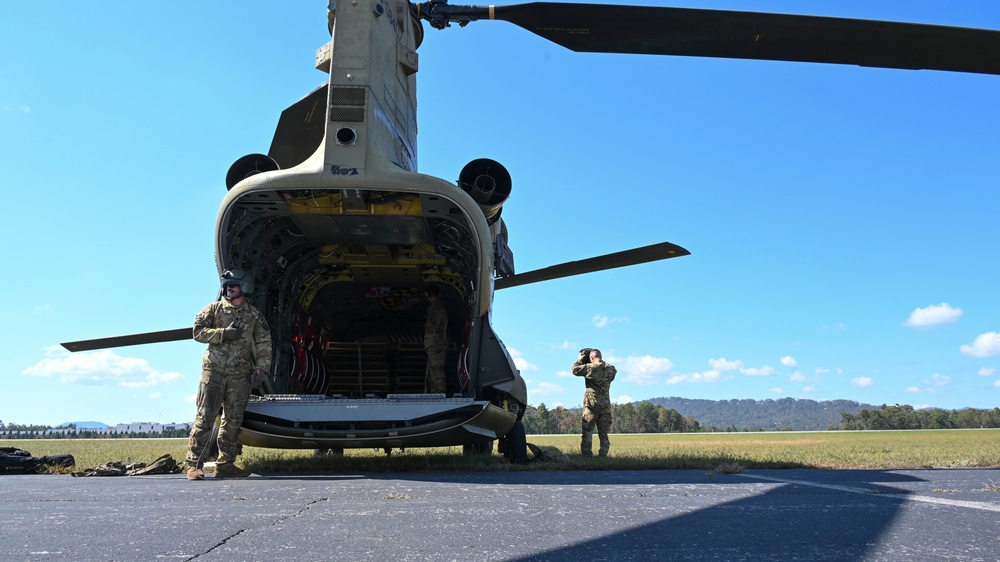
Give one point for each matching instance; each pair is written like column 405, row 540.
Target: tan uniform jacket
column 241, row 356
column 598, row 375
column 436, row 328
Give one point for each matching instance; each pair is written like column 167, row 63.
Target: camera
column 585, row 354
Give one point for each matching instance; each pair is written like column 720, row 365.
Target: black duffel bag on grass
column 19, row 461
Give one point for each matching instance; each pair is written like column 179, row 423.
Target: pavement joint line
column 984, row 506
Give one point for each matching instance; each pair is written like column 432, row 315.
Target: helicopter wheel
column 478, row 449
column 516, row 450
column 328, row 452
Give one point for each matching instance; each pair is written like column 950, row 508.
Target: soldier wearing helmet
column 238, row 359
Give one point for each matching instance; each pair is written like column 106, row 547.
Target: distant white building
column 150, row 427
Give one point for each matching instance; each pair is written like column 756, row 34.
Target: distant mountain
column 769, row 415
column 85, row 425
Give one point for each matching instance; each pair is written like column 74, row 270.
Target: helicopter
column 342, row 235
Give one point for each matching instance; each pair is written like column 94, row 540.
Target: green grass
column 719, row 452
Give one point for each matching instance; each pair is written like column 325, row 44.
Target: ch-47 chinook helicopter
column 340, row 235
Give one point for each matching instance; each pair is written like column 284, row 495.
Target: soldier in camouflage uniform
column 238, row 359
column 436, row 341
column 596, row 400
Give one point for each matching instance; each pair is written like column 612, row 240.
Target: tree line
column 25, row 431
column 627, row 418
column 772, row 414
column 906, row 417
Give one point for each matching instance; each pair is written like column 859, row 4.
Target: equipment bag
column 19, row 461
column 163, row 465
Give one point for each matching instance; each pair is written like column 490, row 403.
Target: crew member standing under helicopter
column 435, row 341
column 238, row 359
column 596, row 400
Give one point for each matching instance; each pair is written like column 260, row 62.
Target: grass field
column 722, row 452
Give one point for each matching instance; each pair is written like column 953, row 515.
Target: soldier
column 238, row 359
column 596, row 400
column 435, row 341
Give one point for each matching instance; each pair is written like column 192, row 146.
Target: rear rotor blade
column 300, row 130
column 747, row 35
column 662, row 251
column 131, row 339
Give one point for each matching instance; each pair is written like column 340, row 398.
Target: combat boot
column 230, row 470
column 195, row 473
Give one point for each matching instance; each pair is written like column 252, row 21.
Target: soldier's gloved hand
column 232, row 332
column 258, row 378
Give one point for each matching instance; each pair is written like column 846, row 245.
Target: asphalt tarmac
column 759, row 515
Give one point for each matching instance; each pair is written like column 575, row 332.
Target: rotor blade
column 748, row 35
column 131, row 339
column 300, row 130
column 662, row 251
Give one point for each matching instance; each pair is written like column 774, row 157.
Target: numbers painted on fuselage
column 339, row 170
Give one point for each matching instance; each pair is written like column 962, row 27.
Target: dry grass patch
column 884, row 450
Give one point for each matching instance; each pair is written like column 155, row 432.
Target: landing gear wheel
column 516, row 450
column 478, row 449
column 328, row 452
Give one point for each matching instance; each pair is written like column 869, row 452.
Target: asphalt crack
column 223, row 542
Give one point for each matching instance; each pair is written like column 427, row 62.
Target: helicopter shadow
column 773, row 520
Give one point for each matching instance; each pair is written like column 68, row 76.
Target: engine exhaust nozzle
column 488, row 182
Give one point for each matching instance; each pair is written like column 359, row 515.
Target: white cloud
column 940, row 380
column 522, row 365
column 98, row 368
column 822, row 371
column 722, row 364
column 25, row 109
column 707, row 376
column 985, row 345
column 564, row 345
column 546, row 388
column 624, row 399
column 934, row 315
column 755, row 372
column 808, row 389
column 862, row 382
column 520, row 362
column 987, row 372
column 912, row 390
column 191, row 398
column 996, row 383
column 600, row 320
column 798, row 377
column 644, row 370
column 789, row 361
column 564, row 374
column 155, row 395
column 776, row 390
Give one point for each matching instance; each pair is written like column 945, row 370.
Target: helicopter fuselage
column 342, row 237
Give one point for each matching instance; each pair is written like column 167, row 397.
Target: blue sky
column 841, row 219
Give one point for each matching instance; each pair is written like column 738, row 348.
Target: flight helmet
column 237, row 277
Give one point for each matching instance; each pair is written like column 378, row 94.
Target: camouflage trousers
column 230, row 393
column 436, row 383
column 600, row 417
